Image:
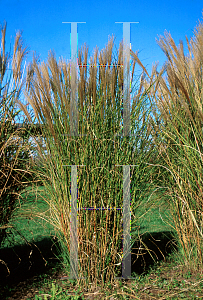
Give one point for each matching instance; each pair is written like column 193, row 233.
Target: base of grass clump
column 34, row 266
column 165, row 279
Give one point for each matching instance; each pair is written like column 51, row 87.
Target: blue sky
column 43, row 30
column 41, row 22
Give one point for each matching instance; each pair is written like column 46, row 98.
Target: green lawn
column 35, row 229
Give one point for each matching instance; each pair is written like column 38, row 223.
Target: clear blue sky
column 41, row 22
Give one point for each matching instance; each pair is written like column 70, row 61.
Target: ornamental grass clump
column 96, row 152
column 14, row 146
column 178, row 134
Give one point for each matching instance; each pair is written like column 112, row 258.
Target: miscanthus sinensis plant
column 96, row 152
column 14, row 145
column 177, row 133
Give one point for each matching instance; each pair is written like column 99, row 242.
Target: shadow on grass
column 28, row 262
column 159, row 244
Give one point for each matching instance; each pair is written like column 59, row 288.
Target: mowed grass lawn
column 35, row 229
